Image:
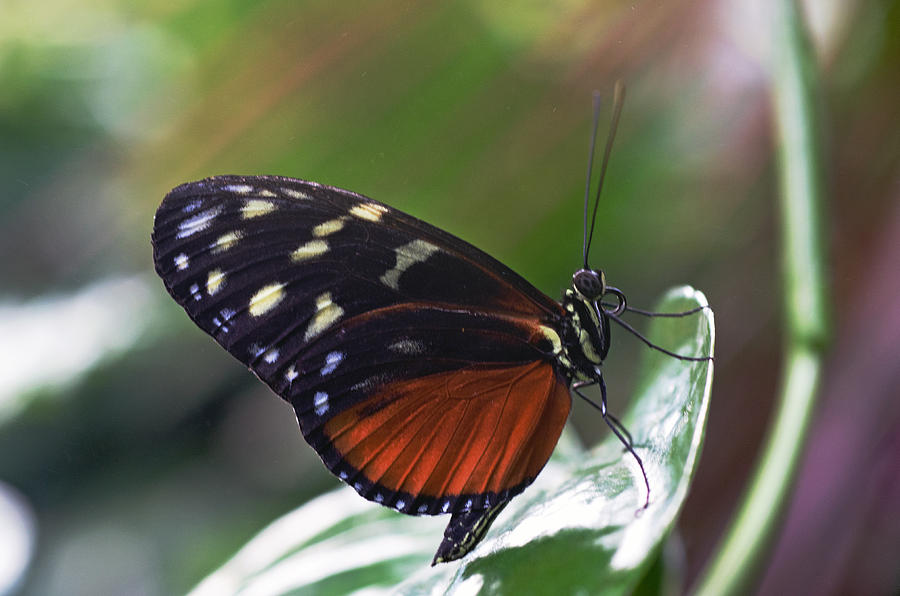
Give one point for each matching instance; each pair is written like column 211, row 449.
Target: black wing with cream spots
column 267, row 263
column 328, row 295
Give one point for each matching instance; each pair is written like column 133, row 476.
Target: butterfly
column 426, row 374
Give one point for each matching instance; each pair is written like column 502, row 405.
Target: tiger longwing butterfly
column 426, row 374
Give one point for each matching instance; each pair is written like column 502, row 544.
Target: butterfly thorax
column 585, row 335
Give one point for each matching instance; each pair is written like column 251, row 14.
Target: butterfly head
column 591, row 285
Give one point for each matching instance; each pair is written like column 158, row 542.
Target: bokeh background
column 136, row 455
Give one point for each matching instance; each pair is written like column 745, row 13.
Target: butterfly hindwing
column 372, row 324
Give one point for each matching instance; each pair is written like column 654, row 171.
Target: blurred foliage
column 149, row 465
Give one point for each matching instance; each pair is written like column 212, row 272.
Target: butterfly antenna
column 587, row 182
column 618, row 100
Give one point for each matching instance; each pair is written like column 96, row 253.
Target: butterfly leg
column 604, row 411
column 613, row 423
column 641, row 337
column 650, row 313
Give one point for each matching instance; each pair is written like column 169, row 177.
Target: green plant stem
column 736, row 565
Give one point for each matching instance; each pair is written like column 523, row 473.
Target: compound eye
column 590, row 284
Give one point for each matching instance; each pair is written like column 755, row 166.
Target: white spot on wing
column 407, row 346
column 331, row 362
column 408, row 255
column 266, row 299
column 192, row 206
column 401, row 504
column 379, row 498
column 291, row 374
column 182, row 262
column 197, row 223
column 241, row 189
column 320, row 402
column 373, row 381
column 226, row 314
column 327, row 313
column 423, row 508
column 272, row 356
column 445, row 507
column 195, row 291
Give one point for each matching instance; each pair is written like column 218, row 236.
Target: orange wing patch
column 470, row 431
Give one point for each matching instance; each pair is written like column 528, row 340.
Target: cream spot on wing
column 226, row 241
column 291, row 374
column 214, row 281
column 369, row 211
column 294, row 194
column 265, row 192
column 329, row 227
column 320, row 402
column 408, row 255
column 197, row 223
column 310, row 250
column 266, row 299
column 182, row 262
column 553, row 336
column 327, row 313
column 256, row 207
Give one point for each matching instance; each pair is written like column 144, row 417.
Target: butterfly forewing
column 420, row 368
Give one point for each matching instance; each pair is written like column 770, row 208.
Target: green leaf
column 579, row 528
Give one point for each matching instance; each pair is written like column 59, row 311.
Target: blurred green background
column 136, row 455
